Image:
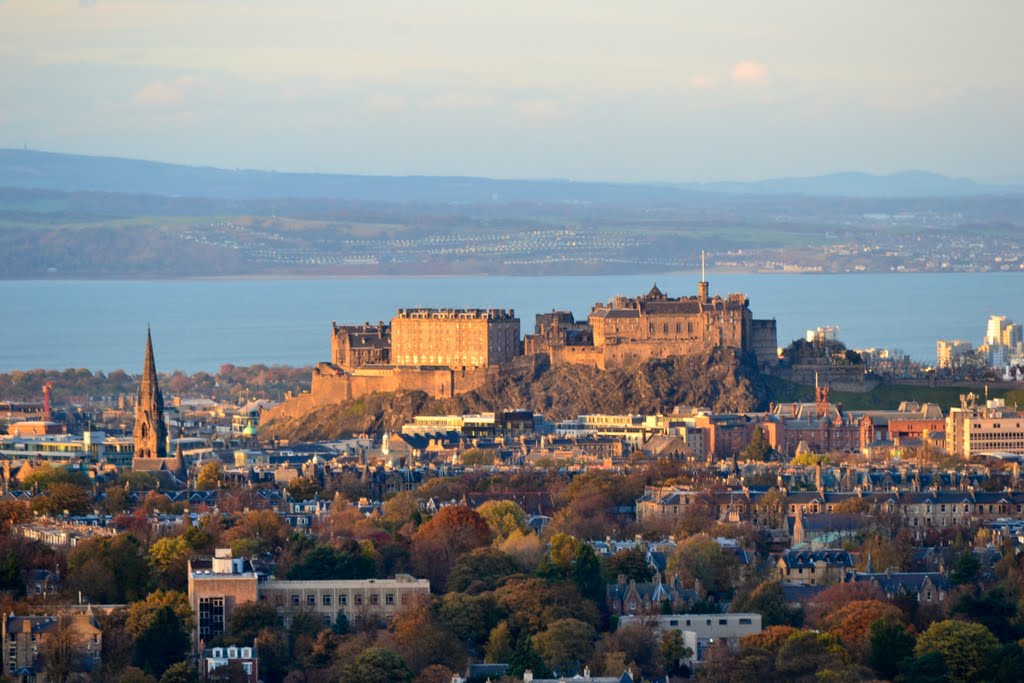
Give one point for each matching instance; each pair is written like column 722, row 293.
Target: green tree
column 993, row 609
column 758, row 448
column 927, row 668
column 181, row 672
column 631, row 563
column 376, row 665
column 111, row 570
column 524, row 658
column 965, row 568
column 891, row 646
column 481, row 570
column 327, row 563
column 769, row 601
column 248, row 620
column 966, row 648
column 165, row 642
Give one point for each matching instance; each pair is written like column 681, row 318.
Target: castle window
column 679, row 328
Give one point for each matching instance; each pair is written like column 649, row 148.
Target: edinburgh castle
column 444, row 352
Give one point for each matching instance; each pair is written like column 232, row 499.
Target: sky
column 637, row 90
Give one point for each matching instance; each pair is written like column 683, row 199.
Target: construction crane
column 47, row 388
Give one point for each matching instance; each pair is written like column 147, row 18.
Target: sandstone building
column 355, row 345
column 150, row 432
column 456, row 338
column 630, row 331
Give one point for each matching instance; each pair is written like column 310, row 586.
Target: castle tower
column 702, row 286
column 150, row 431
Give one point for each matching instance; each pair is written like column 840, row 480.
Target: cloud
column 86, row 4
column 165, row 94
column 700, row 81
column 383, row 103
column 540, row 110
column 749, row 72
column 462, row 101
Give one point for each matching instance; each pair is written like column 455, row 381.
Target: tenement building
column 455, row 338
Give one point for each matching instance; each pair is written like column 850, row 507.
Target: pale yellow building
column 455, row 338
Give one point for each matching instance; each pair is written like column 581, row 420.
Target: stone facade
column 25, row 639
column 215, row 587
column 357, row 599
column 354, row 346
column 150, row 433
column 630, row 331
column 454, row 338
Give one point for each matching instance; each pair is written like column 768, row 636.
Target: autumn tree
column 532, row 603
column 454, row 531
column 168, row 560
column 210, row 476
column 64, row 652
column 376, row 665
column 248, row 620
column 700, row 558
column 806, row 654
column 142, row 613
column 109, row 569
column 565, row 644
column 470, row 617
column 499, row 644
column 966, row 648
column 421, row 638
column 837, row 596
column 63, row 499
column 851, row 624
column 257, row 532
column 503, row 517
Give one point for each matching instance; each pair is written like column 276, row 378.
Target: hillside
column 718, row 379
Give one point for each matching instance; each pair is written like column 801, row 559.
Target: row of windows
column 326, row 599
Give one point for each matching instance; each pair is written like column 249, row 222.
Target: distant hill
column 852, row 184
column 76, row 173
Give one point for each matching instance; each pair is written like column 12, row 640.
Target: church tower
column 150, row 432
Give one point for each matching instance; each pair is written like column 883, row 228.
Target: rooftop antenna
column 702, row 276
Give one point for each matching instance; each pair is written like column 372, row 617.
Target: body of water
column 201, row 324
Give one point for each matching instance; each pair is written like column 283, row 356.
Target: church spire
column 150, row 433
